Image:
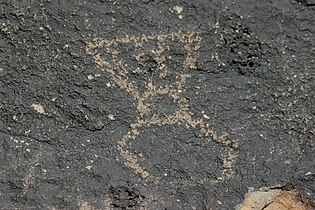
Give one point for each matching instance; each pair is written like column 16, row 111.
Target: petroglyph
column 168, row 75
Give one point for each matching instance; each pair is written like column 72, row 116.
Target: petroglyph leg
column 131, row 160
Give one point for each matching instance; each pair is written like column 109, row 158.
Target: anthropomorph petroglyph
column 164, row 61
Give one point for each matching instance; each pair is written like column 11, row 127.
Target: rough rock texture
column 154, row 104
column 276, row 199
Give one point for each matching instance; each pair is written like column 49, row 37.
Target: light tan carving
column 107, row 56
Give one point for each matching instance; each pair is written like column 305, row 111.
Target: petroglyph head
column 158, row 57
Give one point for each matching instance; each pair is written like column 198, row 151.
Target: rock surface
column 154, row 104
